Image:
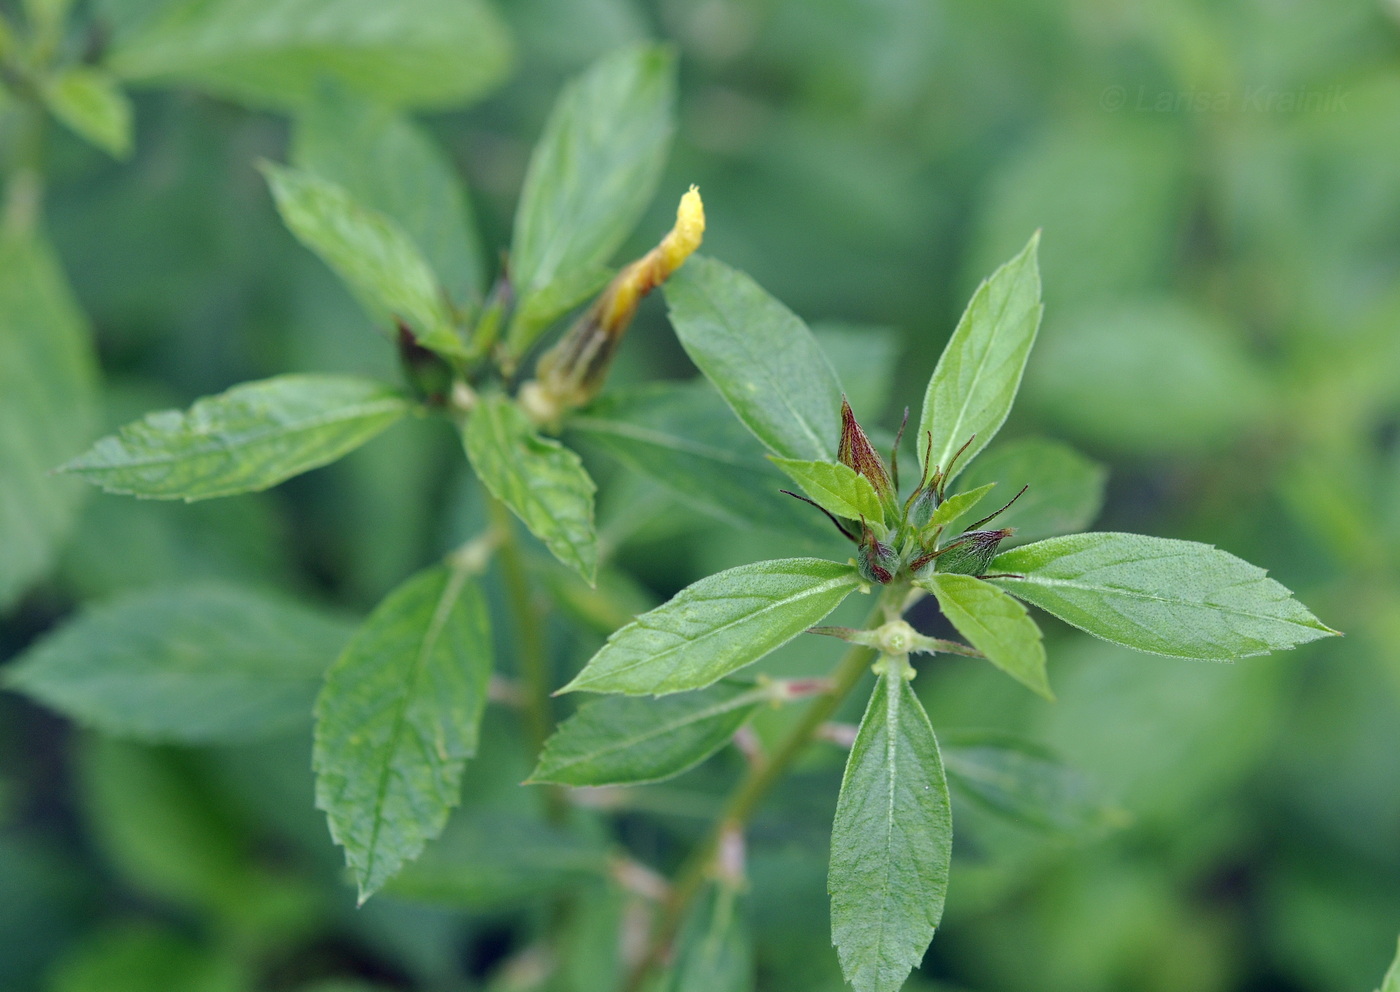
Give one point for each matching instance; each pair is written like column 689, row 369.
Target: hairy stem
column 536, row 707
column 754, row 786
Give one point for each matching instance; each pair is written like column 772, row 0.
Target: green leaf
column 714, row 952
column 1391, row 982
column 387, row 163
column 137, row 957
column 1174, row 598
column 543, row 482
column 194, row 664
column 717, row 626
column 626, row 741
column 891, row 842
column 1025, row 783
column 492, row 859
column 253, row 436
column 836, row 488
column 681, row 435
column 274, row 53
column 592, row 174
column 91, row 103
column 378, row 261
column 397, row 719
column 1066, row 489
column 995, row 624
column 1151, row 377
column 760, row 356
column 955, row 507
column 47, row 386
column 975, row 383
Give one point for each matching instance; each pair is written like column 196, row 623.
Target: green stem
column 755, row 786
column 24, row 179
column 529, row 641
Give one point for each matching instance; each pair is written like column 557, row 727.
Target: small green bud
column 921, row 511
column 877, row 562
column 972, row 553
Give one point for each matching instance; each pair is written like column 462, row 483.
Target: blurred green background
column 1219, row 189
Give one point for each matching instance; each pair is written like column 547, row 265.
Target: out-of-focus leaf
column 250, row 438
column 194, row 664
column 46, row 407
column 1024, row 782
column 717, row 626
column 714, row 952
column 388, row 164
column 592, row 174
column 93, row 105
column 682, row 436
column 996, row 624
column 1154, row 594
column 891, row 842
column 760, row 356
column 543, row 482
column 378, row 261
column 866, row 356
column 139, row 959
column 1391, row 982
column 1154, row 377
column 1109, row 198
column 397, row 719
column 488, row 860
column 627, row 741
column 1066, row 489
column 154, row 817
column 971, row 391
column 273, row 53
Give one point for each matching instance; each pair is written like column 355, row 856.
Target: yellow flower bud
column 572, row 372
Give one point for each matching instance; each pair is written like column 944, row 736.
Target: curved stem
column 755, row 786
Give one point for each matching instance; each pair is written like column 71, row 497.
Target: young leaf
column 681, row 435
column 274, row 53
column 714, row 952
column 192, row 664
column 973, row 387
column 90, row 102
column 1066, row 489
column 592, row 174
column 379, row 262
column 760, row 356
column 397, row 719
column 955, row 507
column 387, row 163
column 1174, row 598
column 1023, row 782
column 717, row 626
column 837, row 489
column 249, row 438
column 891, row 842
column 47, row 386
column 996, row 624
column 543, row 482
column 626, row 741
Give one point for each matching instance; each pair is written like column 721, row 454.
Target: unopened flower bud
column 876, row 561
column 972, row 553
column 573, row 370
column 856, row 452
column 921, row 510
